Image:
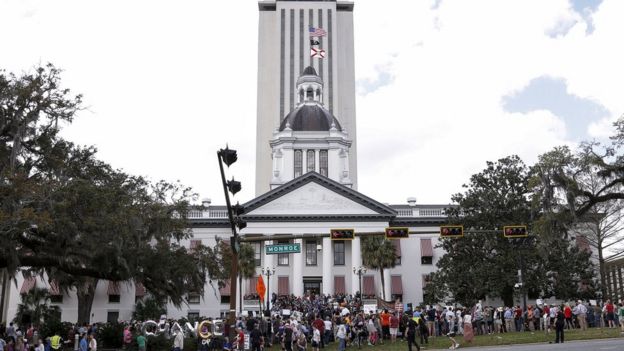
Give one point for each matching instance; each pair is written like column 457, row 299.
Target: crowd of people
column 311, row 322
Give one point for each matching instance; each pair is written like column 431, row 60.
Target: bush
column 52, row 327
column 110, row 335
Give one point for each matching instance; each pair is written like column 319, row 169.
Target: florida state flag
column 260, row 288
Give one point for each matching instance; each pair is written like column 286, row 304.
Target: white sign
column 368, row 309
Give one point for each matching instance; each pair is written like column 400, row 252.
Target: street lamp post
column 228, row 156
column 360, row 272
column 268, row 271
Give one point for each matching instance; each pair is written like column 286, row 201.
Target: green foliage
column 148, row 309
column 53, row 327
column 35, row 307
column 110, row 335
column 481, row 264
column 65, row 213
column 435, row 290
column 379, row 254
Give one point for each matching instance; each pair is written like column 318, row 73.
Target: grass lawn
column 491, row 340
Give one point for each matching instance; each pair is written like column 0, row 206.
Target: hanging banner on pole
column 260, row 288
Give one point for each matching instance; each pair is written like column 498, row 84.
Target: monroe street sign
column 283, row 248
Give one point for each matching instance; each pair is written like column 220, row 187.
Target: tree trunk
column 85, row 293
column 507, row 294
column 240, row 296
column 601, row 267
column 383, row 285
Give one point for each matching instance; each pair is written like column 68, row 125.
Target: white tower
column 310, row 138
column 284, row 52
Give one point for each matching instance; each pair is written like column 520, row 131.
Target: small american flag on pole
column 317, row 32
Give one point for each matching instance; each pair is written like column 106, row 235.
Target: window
column 112, row 316
column 309, row 94
column 114, row 298
column 56, row 298
column 225, row 299
column 193, row 298
column 426, row 260
column 311, row 253
column 298, row 163
column 257, row 252
column 323, row 162
column 282, row 259
column 310, row 161
column 339, row 254
column 192, row 316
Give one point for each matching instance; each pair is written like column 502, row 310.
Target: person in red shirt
column 567, row 313
column 394, row 326
column 320, row 325
column 385, row 324
column 609, row 309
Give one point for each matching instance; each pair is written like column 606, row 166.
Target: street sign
column 283, row 248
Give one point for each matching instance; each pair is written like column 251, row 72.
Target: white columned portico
column 328, row 253
column 387, row 284
column 356, row 262
column 297, row 282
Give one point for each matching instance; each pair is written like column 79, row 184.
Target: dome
column 309, row 118
column 309, row 71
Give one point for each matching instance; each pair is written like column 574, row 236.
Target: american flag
column 317, row 32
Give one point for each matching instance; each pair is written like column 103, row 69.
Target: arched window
column 301, row 95
column 309, row 94
column 310, row 161
column 298, row 163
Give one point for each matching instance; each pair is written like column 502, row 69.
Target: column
column 269, row 263
column 297, row 282
column 388, row 284
column 328, row 260
column 356, row 261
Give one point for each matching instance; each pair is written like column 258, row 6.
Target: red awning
column 282, row 286
column 225, row 291
column 426, row 249
column 54, row 289
column 397, row 247
column 139, row 289
column 368, row 285
column 396, row 288
column 27, row 285
column 113, row 288
column 582, row 243
column 339, row 284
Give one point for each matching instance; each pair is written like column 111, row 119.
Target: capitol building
column 306, row 183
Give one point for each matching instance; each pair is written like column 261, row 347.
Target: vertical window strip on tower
column 323, row 162
column 330, row 81
column 302, row 31
column 282, row 53
column 310, row 161
column 291, row 91
column 298, row 163
column 257, row 253
column 320, row 24
column 311, row 24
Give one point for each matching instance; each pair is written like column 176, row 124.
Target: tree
column 378, row 253
column 67, row 214
column 35, row 308
column 434, row 290
column 246, row 263
column 564, row 210
column 148, row 308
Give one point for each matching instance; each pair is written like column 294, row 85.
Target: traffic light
column 452, row 231
column 515, row 231
column 237, row 211
column 397, row 232
column 342, row 234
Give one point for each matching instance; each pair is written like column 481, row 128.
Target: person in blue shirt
column 84, row 345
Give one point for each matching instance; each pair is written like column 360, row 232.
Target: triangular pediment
column 313, row 195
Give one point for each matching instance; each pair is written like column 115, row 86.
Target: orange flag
column 260, row 288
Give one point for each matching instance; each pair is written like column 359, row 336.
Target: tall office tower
column 290, row 31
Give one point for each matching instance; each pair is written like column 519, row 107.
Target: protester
column 559, row 323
